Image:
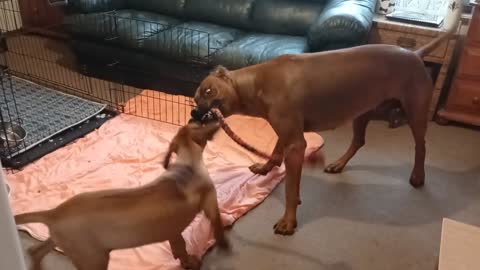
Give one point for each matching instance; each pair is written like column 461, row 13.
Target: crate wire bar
column 8, row 115
column 41, row 53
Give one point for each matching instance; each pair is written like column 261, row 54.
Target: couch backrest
column 291, row 17
column 234, row 13
column 166, row 7
column 91, row 6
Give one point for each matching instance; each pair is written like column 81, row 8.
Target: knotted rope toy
column 314, row 158
column 216, row 114
column 236, row 138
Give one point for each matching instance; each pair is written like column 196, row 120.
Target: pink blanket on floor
column 127, row 151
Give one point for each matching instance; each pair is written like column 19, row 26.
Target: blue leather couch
column 180, row 37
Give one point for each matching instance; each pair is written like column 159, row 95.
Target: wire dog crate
column 49, row 90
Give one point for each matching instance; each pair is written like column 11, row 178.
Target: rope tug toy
column 234, row 136
column 315, row 157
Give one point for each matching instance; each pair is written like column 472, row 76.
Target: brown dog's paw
column 336, row 167
column 191, row 263
column 285, row 227
column 261, row 169
column 417, row 180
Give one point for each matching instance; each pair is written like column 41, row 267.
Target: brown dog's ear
column 221, row 72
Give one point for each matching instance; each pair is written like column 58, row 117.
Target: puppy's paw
column 261, row 169
column 336, row 167
column 191, row 263
column 35, row 266
column 224, row 246
column 285, row 226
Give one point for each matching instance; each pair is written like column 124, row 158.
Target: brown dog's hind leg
column 277, row 159
column 179, row 251
column 417, row 117
column 294, row 156
column 38, row 252
column 419, row 128
column 359, row 130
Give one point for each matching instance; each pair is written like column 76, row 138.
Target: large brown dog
column 90, row 225
column 320, row 91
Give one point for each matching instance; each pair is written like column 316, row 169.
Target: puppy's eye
column 208, row 91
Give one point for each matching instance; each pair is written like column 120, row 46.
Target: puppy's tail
column 432, row 45
column 34, row 217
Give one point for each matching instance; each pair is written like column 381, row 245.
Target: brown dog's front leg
column 358, row 141
column 277, row 158
column 294, row 156
column 179, row 251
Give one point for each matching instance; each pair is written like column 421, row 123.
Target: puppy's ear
column 221, row 72
column 205, row 133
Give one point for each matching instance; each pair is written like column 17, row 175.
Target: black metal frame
column 185, row 69
column 9, row 114
column 50, row 60
column 112, row 34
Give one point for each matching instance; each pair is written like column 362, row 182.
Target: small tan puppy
column 89, row 226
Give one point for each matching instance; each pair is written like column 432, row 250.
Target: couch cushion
column 195, row 40
column 255, row 48
column 126, row 27
column 285, row 16
column 234, row 13
column 167, row 7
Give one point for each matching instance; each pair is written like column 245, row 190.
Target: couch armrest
column 343, row 23
column 89, row 6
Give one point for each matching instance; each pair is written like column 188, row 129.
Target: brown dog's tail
column 34, row 217
column 432, row 45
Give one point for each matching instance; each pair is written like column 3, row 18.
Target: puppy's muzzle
column 196, row 114
column 202, row 118
column 203, row 114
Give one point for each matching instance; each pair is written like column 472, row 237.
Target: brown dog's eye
column 209, row 92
